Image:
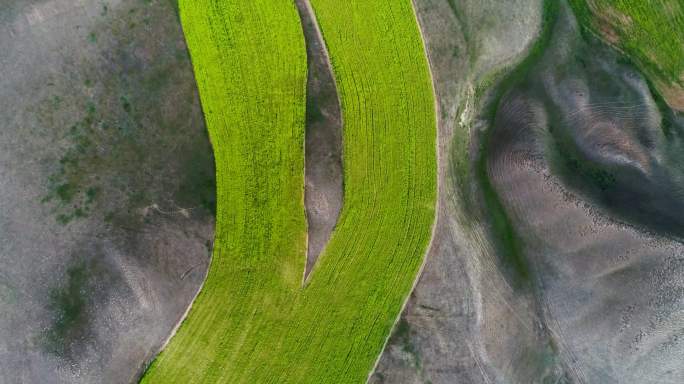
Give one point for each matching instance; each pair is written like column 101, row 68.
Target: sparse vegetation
column 109, row 200
column 69, row 305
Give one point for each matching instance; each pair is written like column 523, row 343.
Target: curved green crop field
column 254, row 322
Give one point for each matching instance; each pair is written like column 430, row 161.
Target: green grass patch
column 254, row 322
column 649, row 31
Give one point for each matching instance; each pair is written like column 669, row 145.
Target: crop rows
column 254, row 321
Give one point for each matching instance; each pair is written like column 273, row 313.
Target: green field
column 649, row 31
column 254, row 322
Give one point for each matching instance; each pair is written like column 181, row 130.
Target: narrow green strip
column 253, row 322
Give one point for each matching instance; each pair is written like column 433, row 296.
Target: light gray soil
column 589, row 169
column 586, row 164
column 464, row 323
column 324, row 175
column 106, row 187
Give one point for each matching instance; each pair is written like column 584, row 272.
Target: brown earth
column 673, row 94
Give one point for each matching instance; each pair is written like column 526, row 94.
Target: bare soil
column 324, row 176
column 463, row 322
column 588, row 165
column 106, row 184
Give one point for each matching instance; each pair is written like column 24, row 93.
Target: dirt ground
column 324, row 175
column 464, row 323
column 586, row 163
column 107, row 185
